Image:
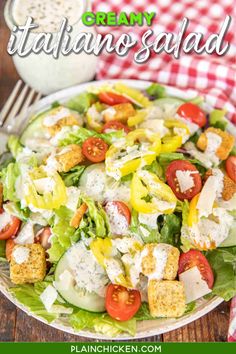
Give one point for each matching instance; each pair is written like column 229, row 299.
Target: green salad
column 119, row 206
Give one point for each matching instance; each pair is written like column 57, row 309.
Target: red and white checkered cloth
column 213, row 76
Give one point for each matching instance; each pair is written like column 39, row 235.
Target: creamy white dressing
column 95, row 184
column 44, row 185
column 62, row 134
column 117, row 191
column 114, row 269
column 124, row 244
column 149, row 219
column 160, row 254
column 47, row 14
column 73, row 194
column 21, row 254
column 5, row 219
column 26, row 234
column 208, row 231
column 118, row 222
column 130, row 263
column 156, row 126
column 87, row 273
column 207, row 160
column 55, row 117
column 193, row 128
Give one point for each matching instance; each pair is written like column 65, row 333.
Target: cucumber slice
column 75, row 296
column 93, row 181
column 230, row 241
column 34, row 129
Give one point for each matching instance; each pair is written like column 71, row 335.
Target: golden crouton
column 225, row 147
column 1, row 195
column 77, row 217
column 68, row 119
column 149, row 261
column 120, row 112
column 69, row 157
column 166, row 298
column 30, row 268
column 229, row 188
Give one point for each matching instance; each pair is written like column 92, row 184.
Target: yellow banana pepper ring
column 137, row 119
column 117, row 168
column 102, row 249
column 193, row 212
column 171, row 144
column 174, row 123
column 147, row 191
column 49, row 200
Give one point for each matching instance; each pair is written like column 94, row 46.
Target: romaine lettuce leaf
column 2, row 249
column 81, row 134
column 143, row 313
column 147, row 234
column 8, row 178
column 165, row 159
column 63, row 234
column 101, row 323
column 223, row 263
column 156, row 91
column 28, row 296
column 217, row 119
column 95, row 218
column 171, row 229
column 82, row 102
column 14, row 208
column 72, row 177
column 14, row 145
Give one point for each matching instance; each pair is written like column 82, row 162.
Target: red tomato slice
column 123, row 209
column 112, row 99
column 173, row 181
column 43, row 236
column 115, row 125
column 191, row 111
column 194, row 258
column 11, row 229
column 230, row 166
column 122, row 303
column 94, row 149
column 10, row 244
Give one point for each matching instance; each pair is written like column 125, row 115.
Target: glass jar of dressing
column 41, row 71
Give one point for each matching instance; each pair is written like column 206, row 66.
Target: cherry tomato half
column 94, row 149
column 112, row 99
column 230, row 166
column 182, row 165
column 192, row 112
column 11, row 228
column 122, row 303
column 42, row 237
column 114, row 125
column 10, row 244
column 194, row 258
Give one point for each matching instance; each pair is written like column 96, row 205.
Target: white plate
column 144, row 328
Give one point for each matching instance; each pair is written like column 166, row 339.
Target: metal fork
column 13, row 114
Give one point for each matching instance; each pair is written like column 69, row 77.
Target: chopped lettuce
column 143, row 313
column 101, row 323
column 190, row 307
column 82, row 102
column 2, row 250
column 156, row 91
column 5, row 159
column 155, row 168
column 217, row 119
column 63, row 234
column 14, row 145
column 171, row 229
column 81, row 134
column 72, row 177
column 147, row 234
column 223, row 263
column 8, row 178
column 15, row 209
column 95, row 222
column 27, row 295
